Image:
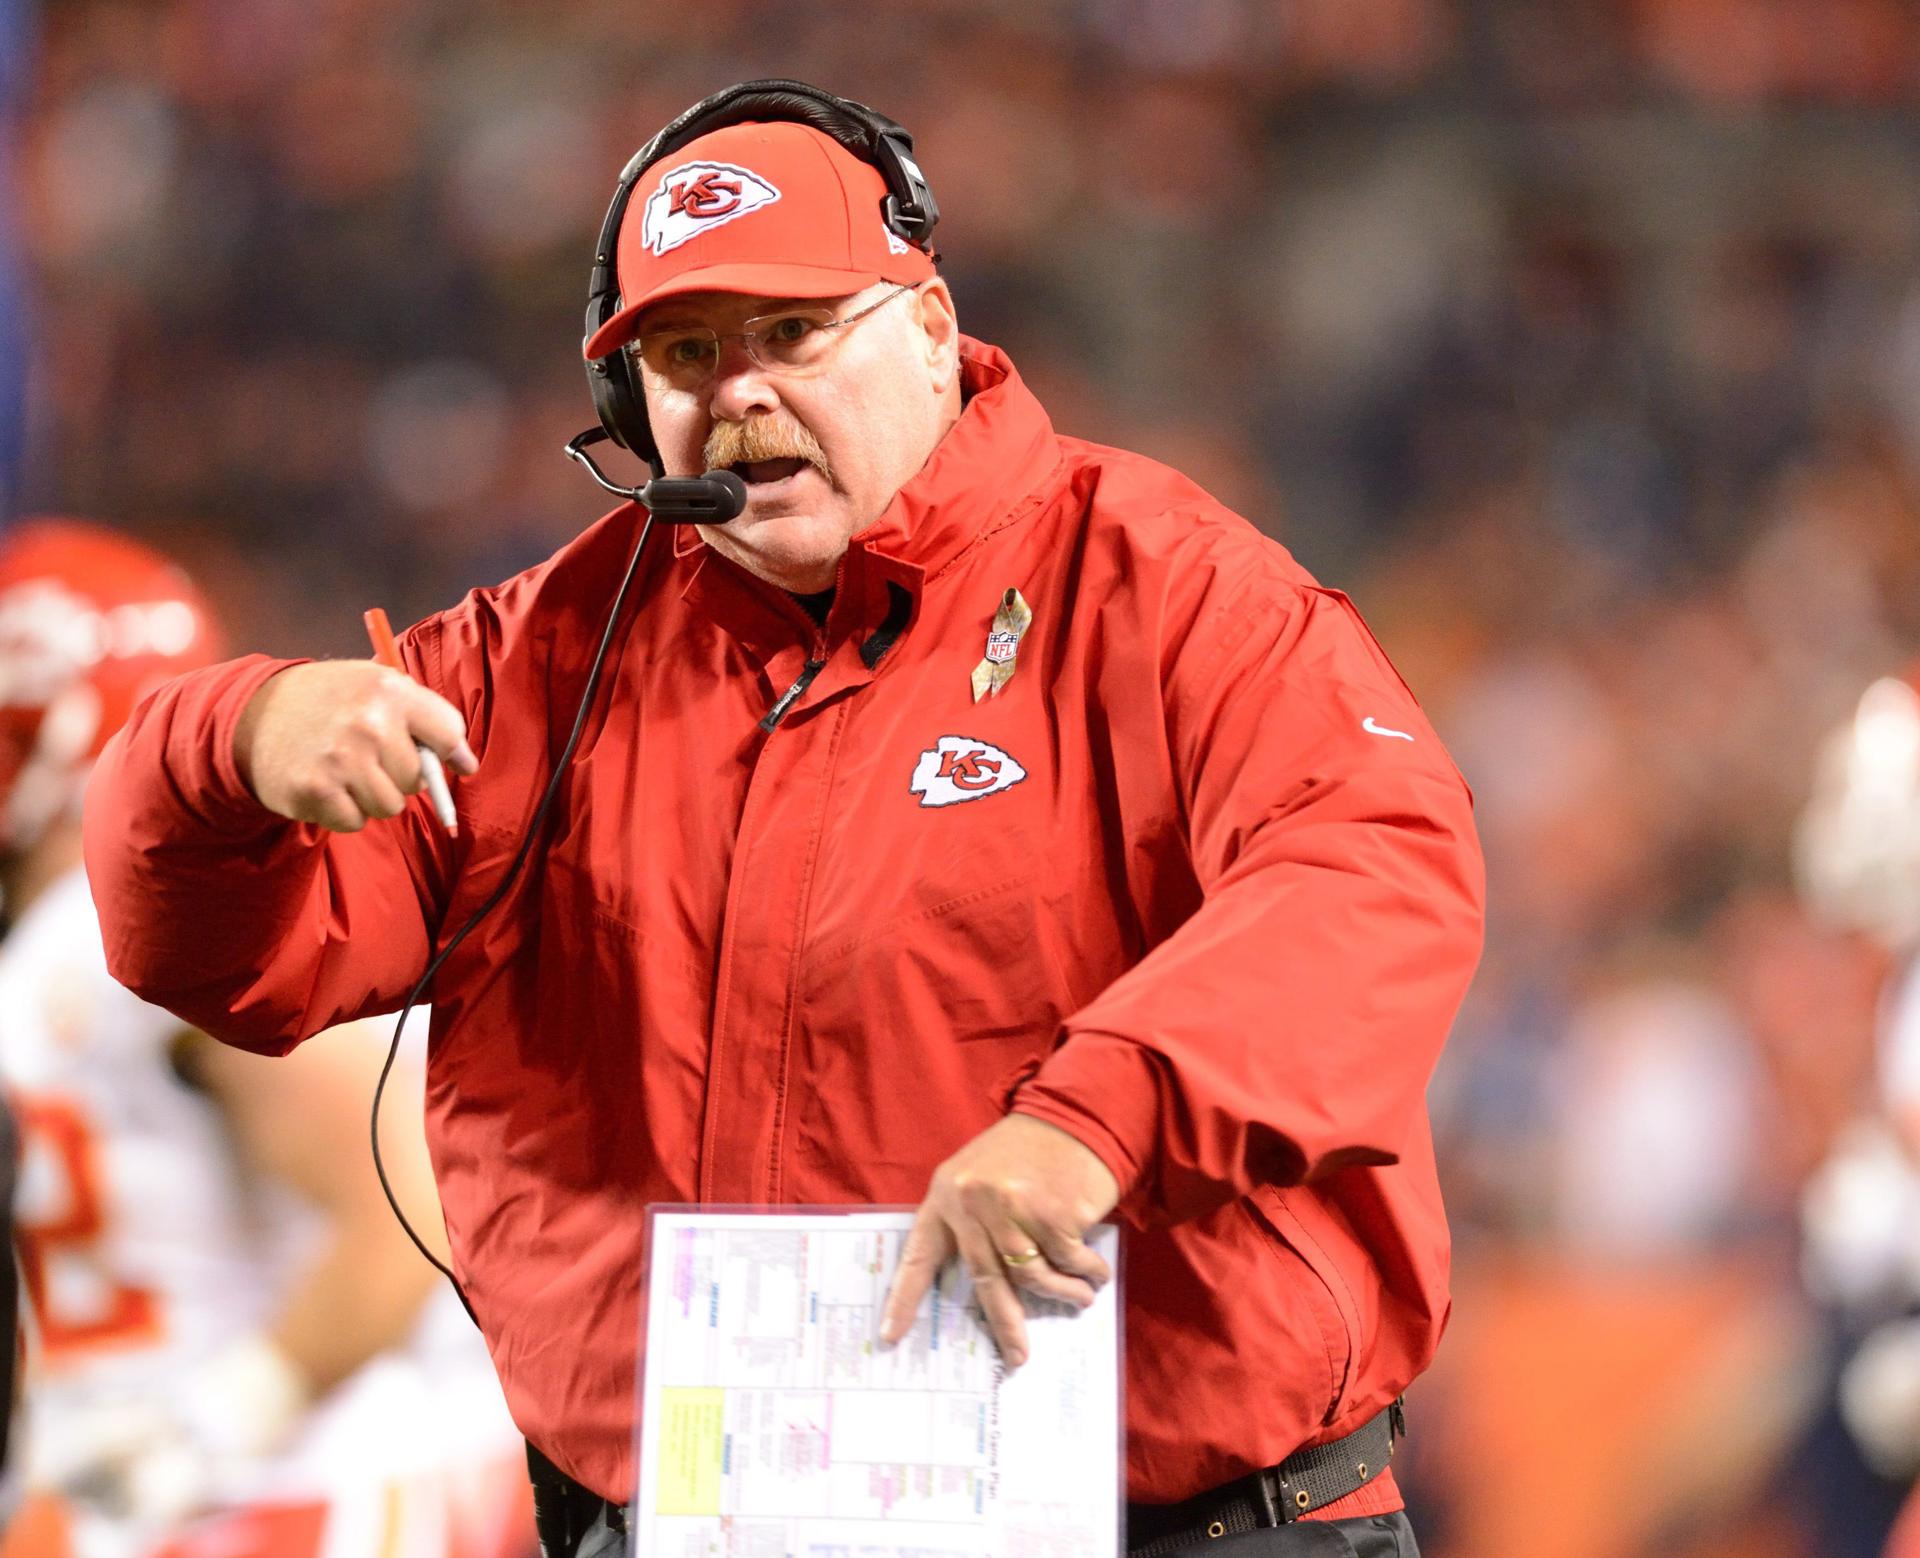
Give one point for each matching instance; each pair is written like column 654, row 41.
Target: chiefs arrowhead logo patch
column 959, row 768
column 697, row 196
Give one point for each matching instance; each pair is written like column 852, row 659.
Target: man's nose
column 741, row 387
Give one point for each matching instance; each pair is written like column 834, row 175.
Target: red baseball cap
column 776, row 210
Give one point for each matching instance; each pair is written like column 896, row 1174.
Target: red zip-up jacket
column 1199, row 885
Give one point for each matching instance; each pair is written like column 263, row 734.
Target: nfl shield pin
column 1010, row 624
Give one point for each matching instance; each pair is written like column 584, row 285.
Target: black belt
column 1305, row 1481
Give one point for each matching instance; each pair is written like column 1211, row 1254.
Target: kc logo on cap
column 698, row 196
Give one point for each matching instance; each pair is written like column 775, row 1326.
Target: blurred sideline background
column 1578, row 341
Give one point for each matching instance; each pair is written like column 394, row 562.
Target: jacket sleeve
column 1289, row 1026
column 258, row 930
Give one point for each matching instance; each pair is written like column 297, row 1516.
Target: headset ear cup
column 627, row 408
column 622, row 406
column 617, row 399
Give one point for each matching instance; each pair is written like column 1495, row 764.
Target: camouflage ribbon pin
column 1010, row 624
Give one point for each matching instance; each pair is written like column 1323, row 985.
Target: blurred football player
column 1857, row 855
column 232, row 1350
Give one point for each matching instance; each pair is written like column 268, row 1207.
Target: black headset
column 909, row 211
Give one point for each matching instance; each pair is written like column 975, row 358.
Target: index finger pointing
column 929, row 1245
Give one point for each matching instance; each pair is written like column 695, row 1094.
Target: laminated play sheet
column 774, row 1423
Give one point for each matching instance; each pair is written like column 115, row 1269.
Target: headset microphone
column 712, row 499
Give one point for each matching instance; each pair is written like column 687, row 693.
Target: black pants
column 1369, row 1536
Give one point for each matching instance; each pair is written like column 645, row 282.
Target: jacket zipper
column 816, row 663
column 787, row 699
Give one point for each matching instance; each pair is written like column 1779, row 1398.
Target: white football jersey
column 141, row 1251
column 145, row 1251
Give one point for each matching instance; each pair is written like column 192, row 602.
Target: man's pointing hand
column 333, row 742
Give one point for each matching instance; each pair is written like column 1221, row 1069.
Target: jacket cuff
column 1104, row 1091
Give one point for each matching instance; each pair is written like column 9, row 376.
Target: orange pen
column 388, row 654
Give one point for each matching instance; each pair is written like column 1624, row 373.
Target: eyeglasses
column 793, row 341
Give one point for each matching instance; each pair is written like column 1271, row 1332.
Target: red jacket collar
column 978, row 477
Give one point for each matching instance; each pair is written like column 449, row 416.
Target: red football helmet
column 90, row 622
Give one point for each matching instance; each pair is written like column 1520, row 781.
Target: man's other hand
column 333, row 743
column 1015, row 1204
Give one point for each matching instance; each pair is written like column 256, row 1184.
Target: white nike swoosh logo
column 1372, row 729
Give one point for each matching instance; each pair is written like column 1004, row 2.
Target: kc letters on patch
column 958, row 768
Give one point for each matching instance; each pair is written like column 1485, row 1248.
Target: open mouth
column 761, row 473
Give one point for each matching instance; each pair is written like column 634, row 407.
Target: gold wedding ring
column 1025, row 1257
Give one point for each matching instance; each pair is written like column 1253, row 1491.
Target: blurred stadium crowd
column 1580, row 343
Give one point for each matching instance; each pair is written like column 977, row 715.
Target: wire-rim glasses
column 795, row 340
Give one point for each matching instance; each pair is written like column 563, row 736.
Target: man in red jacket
column 985, row 818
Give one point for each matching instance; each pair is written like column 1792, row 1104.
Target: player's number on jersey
column 58, row 1227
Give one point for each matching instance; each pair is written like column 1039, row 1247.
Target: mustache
column 763, row 437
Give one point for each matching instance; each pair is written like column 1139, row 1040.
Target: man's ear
column 942, row 331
